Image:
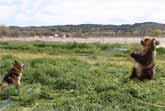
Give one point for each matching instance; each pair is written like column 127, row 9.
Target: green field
column 80, row 77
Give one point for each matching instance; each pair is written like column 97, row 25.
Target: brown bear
column 145, row 60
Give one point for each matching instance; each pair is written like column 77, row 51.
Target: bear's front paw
column 133, row 54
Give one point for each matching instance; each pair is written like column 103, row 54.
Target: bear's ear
column 157, row 42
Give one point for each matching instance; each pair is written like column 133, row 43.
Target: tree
column 156, row 32
column 3, row 30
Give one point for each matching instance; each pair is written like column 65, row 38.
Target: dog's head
column 149, row 43
column 18, row 65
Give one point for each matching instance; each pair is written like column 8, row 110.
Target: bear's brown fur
column 145, row 68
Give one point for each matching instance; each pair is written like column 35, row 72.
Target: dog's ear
column 22, row 65
column 15, row 62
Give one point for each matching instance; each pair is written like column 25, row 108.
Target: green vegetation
column 79, row 77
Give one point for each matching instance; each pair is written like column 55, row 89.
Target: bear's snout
column 133, row 54
column 142, row 42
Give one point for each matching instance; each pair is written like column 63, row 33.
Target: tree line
column 85, row 30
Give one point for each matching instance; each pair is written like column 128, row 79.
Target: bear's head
column 149, row 43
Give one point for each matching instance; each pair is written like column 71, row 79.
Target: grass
column 79, row 77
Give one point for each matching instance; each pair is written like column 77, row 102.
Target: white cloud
column 52, row 12
column 6, row 13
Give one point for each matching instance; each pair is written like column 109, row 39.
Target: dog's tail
column 2, row 86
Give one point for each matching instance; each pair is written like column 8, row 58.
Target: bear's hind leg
column 134, row 73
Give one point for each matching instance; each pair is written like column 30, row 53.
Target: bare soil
column 82, row 40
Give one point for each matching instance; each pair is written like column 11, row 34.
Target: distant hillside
column 86, row 30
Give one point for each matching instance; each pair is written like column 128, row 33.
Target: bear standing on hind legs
column 145, row 68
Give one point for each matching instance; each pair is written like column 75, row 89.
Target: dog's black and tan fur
column 145, row 68
column 14, row 76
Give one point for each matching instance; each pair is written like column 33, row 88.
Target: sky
column 64, row 12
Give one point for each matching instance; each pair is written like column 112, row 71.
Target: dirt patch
column 84, row 40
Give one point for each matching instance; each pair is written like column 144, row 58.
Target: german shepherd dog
column 14, row 76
